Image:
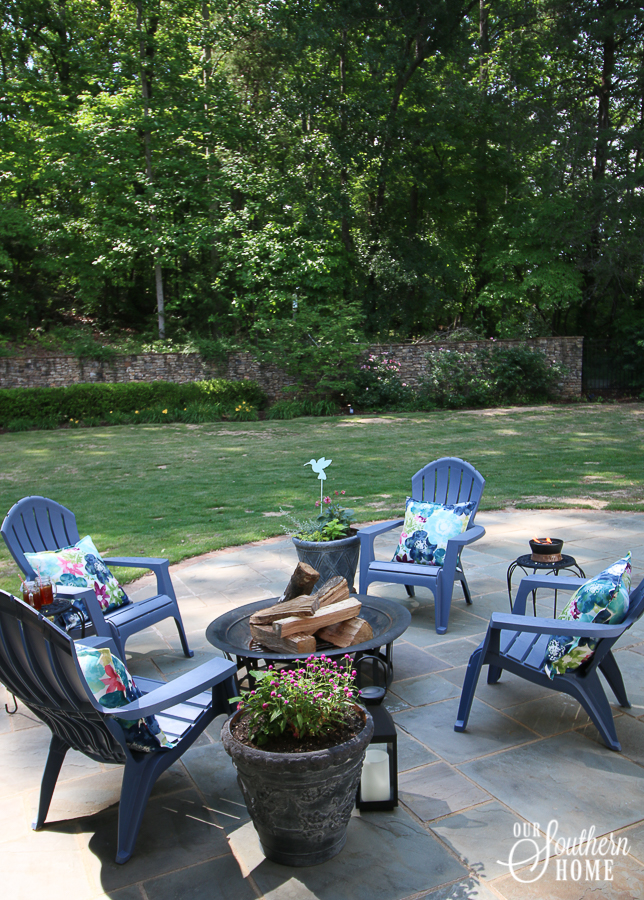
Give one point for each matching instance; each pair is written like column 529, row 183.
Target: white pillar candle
column 375, row 785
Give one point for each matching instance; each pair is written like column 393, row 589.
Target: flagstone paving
column 529, row 756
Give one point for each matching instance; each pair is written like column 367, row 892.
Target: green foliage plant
column 332, row 524
column 378, row 384
column 309, row 701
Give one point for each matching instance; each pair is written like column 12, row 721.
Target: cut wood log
column 293, row 643
column 302, row 582
column 328, row 615
column 334, row 590
column 298, row 606
column 347, row 633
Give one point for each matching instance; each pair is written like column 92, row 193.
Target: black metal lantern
column 378, row 787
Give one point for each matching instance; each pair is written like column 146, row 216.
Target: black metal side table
column 565, row 564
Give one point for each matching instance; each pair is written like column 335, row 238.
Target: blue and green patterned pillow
column 602, row 599
column 113, row 686
column 81, row 566
column 427, row 529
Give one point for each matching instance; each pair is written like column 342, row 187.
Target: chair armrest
column 100, row 642
column 372, row 531
column 187, row 685
column 573, row 628
column 93, row 607
column 472, row 534
column 158, row 565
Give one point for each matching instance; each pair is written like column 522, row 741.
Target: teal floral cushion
column 427, row 529
column 113, row 686
column 602, row 599
column 81, row 566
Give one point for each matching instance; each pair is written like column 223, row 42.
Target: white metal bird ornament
column 319, row 466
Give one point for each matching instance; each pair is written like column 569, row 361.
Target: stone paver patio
column 528, row 756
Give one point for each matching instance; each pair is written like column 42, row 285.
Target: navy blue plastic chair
column 518, row 643
column 36, row 523
column 38, row 665
column 446, row 480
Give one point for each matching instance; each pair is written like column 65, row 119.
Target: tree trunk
column 146, row 55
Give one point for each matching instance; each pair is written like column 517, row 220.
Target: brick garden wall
column 60, row 371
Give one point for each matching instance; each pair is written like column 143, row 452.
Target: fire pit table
column 566, row 563
column 231, row 633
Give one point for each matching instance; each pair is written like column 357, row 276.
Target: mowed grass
column 180, row 490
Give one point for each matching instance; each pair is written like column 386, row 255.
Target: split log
column 298, row 606
column 328, row 615
column 347, row 633
column 293, row 643
column 302, row 582
column 334, row 590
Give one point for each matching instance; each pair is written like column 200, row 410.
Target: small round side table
column 565, row 564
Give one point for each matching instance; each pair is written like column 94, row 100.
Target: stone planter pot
column 300, row 803
column 331, row 558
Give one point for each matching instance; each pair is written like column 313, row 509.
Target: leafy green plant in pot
column 328, row 543
column 298, row 740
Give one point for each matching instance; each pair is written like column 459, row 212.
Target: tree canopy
column 295, row 168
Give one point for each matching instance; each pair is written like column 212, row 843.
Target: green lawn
column 180, row 490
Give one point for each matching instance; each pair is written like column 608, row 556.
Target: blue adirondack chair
column 446, row 480
column 38, row 665
column 518, row 642
column 36, row 523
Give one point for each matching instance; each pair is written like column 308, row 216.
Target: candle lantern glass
column 378, row 787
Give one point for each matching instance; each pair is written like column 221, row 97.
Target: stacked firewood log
column 293, row 624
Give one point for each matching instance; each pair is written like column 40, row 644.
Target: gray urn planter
column 331, row 558
column 300, row 803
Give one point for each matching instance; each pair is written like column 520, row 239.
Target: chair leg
column 441, row 609
column 613, row 676
column 466, row 589
column 138, row 781
column 55, row 758
column 493, row 674
column 411, row 591
column 469, row 687
column 182, row 637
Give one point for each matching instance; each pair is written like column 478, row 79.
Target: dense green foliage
column 96, row 403
column 391, row 168
column 179, row 490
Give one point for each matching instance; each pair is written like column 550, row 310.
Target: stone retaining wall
column 60, row 371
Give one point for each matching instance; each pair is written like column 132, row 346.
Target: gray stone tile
column 549, row 715
column 132, row 892
column 216, row 777
column 387, row 857
column 410, row 661
column 217, row 879
column 488, row 730
column 393, row 703
column 481, row 837
column 635, row 837
column 627, row 883
column 438, row 790
column 412, row 753
column 630, row 734
column 455, row 653
column 567, row 778
column 426, row 689
column 167, row 841
column 24, row 754
column 631, row 665
column 28, row 872
column 509, row 691
column 469, row 889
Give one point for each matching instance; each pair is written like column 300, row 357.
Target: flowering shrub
column 378, row 384
column 309, row 701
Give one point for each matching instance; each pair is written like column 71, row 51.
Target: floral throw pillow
column 427, row 529
column 81, row 566
column 113, row 686
column 602, row 599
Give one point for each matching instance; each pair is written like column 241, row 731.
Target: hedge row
column 100, row 401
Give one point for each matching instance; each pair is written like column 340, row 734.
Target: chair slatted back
column 37, row 523
column 448, row 480
column 37, row 665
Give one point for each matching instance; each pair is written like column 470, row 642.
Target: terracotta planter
column 331, row 558
column 300, row 803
